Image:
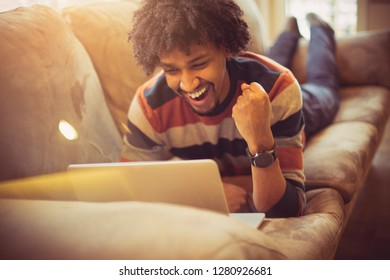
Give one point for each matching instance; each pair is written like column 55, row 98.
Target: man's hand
column 252, row 114
column 237, row 198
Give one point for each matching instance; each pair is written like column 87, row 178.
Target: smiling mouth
column 198, row 95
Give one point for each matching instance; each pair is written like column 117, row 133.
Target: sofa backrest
column 257, row 28
column 362, row 59
column 47, row 76
column 102, row 28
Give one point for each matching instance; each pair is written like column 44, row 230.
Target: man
column 214, row 100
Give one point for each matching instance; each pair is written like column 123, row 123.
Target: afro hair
column 161, row 26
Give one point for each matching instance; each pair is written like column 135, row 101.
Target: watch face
column 263, row 159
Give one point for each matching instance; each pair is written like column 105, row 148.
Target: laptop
column 195, row 183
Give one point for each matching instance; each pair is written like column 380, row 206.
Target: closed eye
column 200, row 65
column 170, row 71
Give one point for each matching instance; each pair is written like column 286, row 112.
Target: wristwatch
column 263, row 159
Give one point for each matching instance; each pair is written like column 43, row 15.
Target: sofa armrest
column 32, row 229
column 39, row 229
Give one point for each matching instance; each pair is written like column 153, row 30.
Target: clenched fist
column 252, row 114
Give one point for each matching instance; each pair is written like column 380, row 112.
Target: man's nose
column 189, row 82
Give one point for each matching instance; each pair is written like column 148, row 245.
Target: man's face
column 201, row 77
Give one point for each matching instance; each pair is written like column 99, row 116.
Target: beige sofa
column 75, row 64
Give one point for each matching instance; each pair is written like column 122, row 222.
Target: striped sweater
column 161, row 125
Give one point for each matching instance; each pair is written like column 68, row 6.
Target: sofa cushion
column 362, row 59
column 257, row 27
column 369, row 104
column 111, row 54
column 339, row 157
column 46, row 76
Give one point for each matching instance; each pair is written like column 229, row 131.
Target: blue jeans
column 321, row 91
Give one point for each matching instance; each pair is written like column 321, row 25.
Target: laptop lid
column 194, row 183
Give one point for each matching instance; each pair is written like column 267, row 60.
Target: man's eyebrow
column 194, row 60
column 166, row 65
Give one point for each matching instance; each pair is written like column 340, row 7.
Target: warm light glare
column 67, row 130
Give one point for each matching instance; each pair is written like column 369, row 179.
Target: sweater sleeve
column 292, row 202
column 288, row 129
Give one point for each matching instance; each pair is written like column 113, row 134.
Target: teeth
column 195, row 95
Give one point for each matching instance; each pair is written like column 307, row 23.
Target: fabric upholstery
column 315, row 235
column 124, row 230
column 163, row 231
column 255, row 20
column 47, row 206
column 372, row 55
column 339, row 156
column 46, row 76
column 362, row 59
column 111, row 54
column 369, row 104
column 80, row 68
